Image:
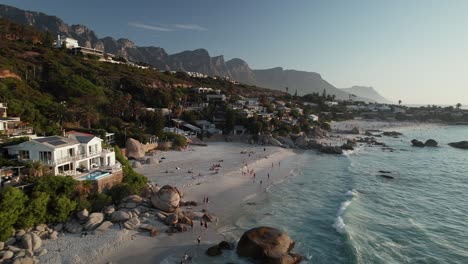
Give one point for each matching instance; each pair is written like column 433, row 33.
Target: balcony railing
column 76, row 157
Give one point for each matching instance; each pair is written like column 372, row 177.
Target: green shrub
column 36, row 210
column 59, row 209
column 98, row 201
column 12, row 203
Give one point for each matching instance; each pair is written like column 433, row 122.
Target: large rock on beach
column 136, row 165
column 330, row 149
column 82, row 215
column 119, row 216
column 431, row 143
column 286, row 141
column 172, row 219
column 317, row 132
column 460, row 144
column 131, row 223
column 417, row 143
column 151, row 160
column 301, row 142
column 94, row 220
column 267, row 245
column 166, row 199
column 31, row 241
column 73, row 226
column 134, row 149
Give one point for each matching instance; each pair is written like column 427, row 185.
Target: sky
column 416, row 50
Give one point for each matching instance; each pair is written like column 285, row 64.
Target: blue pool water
column 95, row 175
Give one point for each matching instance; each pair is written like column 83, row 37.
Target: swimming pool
column 95, row 175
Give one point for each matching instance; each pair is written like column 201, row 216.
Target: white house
column 64, row 155
column 70, row 43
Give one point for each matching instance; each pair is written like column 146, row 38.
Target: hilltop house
column 12, row 126
column 65, row 155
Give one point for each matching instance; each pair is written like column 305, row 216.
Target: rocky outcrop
column 317, row 132
column 166, row 199
column 136, row 165
column 431, row 143
column 267, row 245
column 417, row 143
column 286, row 141
column 301, row 141
column 119, row 216
column 330, row 149
column 391, row 133
column 134, row 149
column 460, row 144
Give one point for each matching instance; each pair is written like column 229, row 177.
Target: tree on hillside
column 399, row 102
column 458, row 106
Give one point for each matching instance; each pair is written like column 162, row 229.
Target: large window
column 24, row 154
column 45, row 155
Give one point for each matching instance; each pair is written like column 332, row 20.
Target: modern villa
column 70, row 155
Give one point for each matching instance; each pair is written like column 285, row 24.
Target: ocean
column 338, row 210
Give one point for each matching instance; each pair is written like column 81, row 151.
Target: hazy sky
column 412, row 50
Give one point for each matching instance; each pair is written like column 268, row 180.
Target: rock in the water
column 73, row 226
column 391, row 133
column 166, row 199
column 134, row 149
column 94, row 220
column 431, row 143
column 331, row 149
column 31, row 241
column 209, row 218
column 224, row 245
column 136, row 165
column 460, row 144
column 214, row 251
column 131, row 223
column 417, row 143
column 355, row 131
column 267, row 245
column 119, row 216
column 82, row 215
column 172, row 219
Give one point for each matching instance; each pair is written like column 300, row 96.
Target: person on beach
column 191, row 224
column 206, row 225
column 272, row 164
column 207, row 200
column 261, row 182
column 199, row 240
column 201, row 223
column 268, row 175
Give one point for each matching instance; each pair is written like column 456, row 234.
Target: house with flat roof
column 13, row 126
column 65, row 155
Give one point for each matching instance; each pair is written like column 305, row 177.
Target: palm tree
column 399, row 102
column 458, row 106
column 36, row 169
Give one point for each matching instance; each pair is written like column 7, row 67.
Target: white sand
column 228, row 190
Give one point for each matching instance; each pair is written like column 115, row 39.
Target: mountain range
column 198, row 60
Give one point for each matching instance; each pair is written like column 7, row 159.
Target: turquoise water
column 95, row 175
column 339, row 211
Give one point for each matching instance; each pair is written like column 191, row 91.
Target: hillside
column 49, row 87
column 367, row 92
column 198, row 60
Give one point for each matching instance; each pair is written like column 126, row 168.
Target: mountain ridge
column 198, row 60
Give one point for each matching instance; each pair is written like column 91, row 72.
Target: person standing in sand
column 199, row 240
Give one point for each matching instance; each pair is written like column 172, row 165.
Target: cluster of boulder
column 25, row 246
column 135, row 151
column 428, row 143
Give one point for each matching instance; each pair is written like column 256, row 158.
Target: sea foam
column 339, row 225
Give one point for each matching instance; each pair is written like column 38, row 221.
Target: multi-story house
column 65, row 155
